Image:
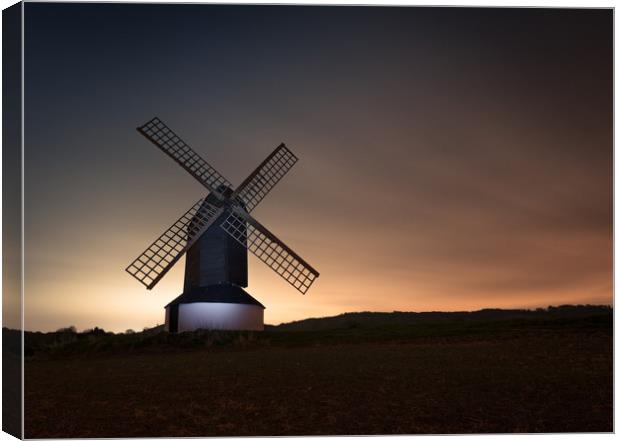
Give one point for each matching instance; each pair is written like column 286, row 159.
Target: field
column 552, row 375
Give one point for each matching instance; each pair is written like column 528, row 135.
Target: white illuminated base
column 225, row 316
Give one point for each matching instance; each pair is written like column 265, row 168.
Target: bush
column 69, row 329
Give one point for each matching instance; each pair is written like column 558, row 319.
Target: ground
column 515, row 379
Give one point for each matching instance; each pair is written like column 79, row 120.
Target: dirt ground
column 550, row 381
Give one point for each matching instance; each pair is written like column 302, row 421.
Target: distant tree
column 94, row 331
column 130, row 331
column 68, row 329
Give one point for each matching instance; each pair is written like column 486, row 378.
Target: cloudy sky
column 450, row 159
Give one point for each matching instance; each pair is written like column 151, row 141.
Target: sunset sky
column 449, row 159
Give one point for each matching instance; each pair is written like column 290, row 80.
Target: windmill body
column 215, row 235
column 216, row 258
column 216, row 271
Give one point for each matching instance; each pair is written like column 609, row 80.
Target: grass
column 460, row 377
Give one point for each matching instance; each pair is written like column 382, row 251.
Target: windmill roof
column 221, row 293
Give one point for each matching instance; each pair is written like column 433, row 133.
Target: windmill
column 216, row 233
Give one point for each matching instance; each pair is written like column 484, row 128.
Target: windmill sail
column 265, row 177
column 149, row 267
column 171, row 144
column 234, row 207
column 271, row 250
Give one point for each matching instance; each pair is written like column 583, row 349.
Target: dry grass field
column 514, row 379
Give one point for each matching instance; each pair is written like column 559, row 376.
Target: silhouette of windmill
column 216, row 233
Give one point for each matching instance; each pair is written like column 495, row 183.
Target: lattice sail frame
column 266, row 176
column 149, row 267
column 271, row 250
column 171, row 144
column 159, row 258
